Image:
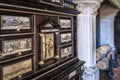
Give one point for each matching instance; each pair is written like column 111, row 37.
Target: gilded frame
column 48, row 42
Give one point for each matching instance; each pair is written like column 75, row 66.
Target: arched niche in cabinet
column 48, row 33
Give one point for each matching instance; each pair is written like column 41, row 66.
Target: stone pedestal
column 91, row 73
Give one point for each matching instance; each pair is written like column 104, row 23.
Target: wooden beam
column 116, row 3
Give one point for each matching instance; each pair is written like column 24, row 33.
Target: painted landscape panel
column 17, row 69
column 14, row 22
column 66, row 51
column 65, row 23
column 66, row 37
column 16, row 46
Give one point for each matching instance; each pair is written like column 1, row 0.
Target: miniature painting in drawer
column 14, row 22
column 16, row 46
column 17, row 69
column 66, row 51
column 66, row 37
column 65, row 23
column 58, row 1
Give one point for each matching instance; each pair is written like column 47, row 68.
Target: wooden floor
column 116, row 72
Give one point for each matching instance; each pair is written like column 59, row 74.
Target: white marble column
column 107, row 33
column 107, row 17
column 87, row 44
column 86, row 30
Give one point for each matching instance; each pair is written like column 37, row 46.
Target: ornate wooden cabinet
column 38, row 40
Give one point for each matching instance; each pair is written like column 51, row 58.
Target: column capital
column 108, row 12
column 88, row 7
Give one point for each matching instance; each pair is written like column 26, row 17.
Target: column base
column 91, row 73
